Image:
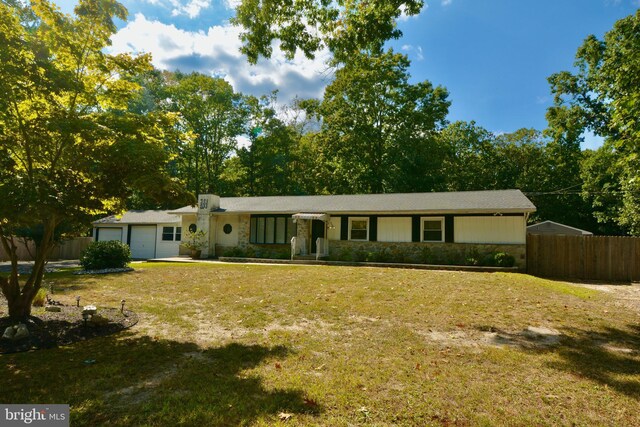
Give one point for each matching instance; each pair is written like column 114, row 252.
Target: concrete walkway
column 25, row 267
column 265, row 261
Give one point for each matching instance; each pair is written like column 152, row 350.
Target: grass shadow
column 610, row 357
column 131, row 380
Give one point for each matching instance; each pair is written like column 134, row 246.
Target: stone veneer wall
column 425, row 253
column 263, row 250
column 244, row 231
column 413, row 252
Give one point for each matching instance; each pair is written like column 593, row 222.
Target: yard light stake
column 78, row 301
column 122, row 306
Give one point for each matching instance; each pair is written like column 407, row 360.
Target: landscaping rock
column 104, row 271
column 21, row 332
column 53, row 309
column 9, row 333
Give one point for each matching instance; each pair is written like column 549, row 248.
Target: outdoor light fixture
column 78, row 301
column 122, row 306
column 85, row 317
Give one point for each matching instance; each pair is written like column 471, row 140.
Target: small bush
column 359, row 256
column 425, row 255
column 344, row 255
column 234, row 252
column 503, row 259
column 40, row 298
column 111, row 254
column 473, row 257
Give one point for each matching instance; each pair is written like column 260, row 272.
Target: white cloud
column 216, row 52
column 192, row 9
column 232, row 4
column 404, row 17
column 415, row 50
column 446, row 2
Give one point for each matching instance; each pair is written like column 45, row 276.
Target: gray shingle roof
column 497, row 201
column 185, row 210
column 140, row 217
column 552, row 227
column 494, row 201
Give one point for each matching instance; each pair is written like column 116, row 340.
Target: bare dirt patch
column 625, row 295
column 530, row 338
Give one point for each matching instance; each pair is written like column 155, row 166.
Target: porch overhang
column 317, row 216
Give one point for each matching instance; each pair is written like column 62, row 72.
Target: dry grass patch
column 244, row 344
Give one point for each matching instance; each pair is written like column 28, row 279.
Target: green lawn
column 336, row 346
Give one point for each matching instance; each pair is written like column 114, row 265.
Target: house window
column 433, row 229
column 167, row 233
column 170, row 234
column 271, row 229
column 358, row 228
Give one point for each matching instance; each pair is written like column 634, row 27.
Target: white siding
column 230, row 239
column 334, row 228
column 490, row 229
column 110, row 233
column 392, row 229
column 167, row 248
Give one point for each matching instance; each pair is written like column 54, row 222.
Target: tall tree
column 268, row 165
column 215, row 115
column 69, row 149
column 600, row 174
column 604, row 93
column 470, row 157
column 344, row 27
column 379, row 130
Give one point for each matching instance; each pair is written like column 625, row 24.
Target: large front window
column 358, row 228
column 272, row 229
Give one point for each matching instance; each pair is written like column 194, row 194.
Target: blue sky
column 494, row 56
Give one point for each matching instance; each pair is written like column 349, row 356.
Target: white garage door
column 143, row 242
column 105, row 234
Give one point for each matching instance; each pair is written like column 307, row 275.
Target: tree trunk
column 20, row 308
column 19, row 297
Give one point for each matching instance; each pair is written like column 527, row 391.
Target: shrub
column 359, row 256
column 503, row 259
column 40, row 298
column 345, row 254
column 473, row 257
column 111, row 254
column 489, row 260
column 425, row 255
column 234, row 252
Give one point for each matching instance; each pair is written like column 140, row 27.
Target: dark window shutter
column 373, row 228
column 448, row 228
column 344, row 228
column 415, row 229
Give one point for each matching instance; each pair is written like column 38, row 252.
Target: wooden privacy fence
column 611, row 258
column 68, row 249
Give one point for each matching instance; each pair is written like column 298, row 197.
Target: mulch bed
column 51, row 329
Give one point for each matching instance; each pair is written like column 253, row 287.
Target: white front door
column 143, row 241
